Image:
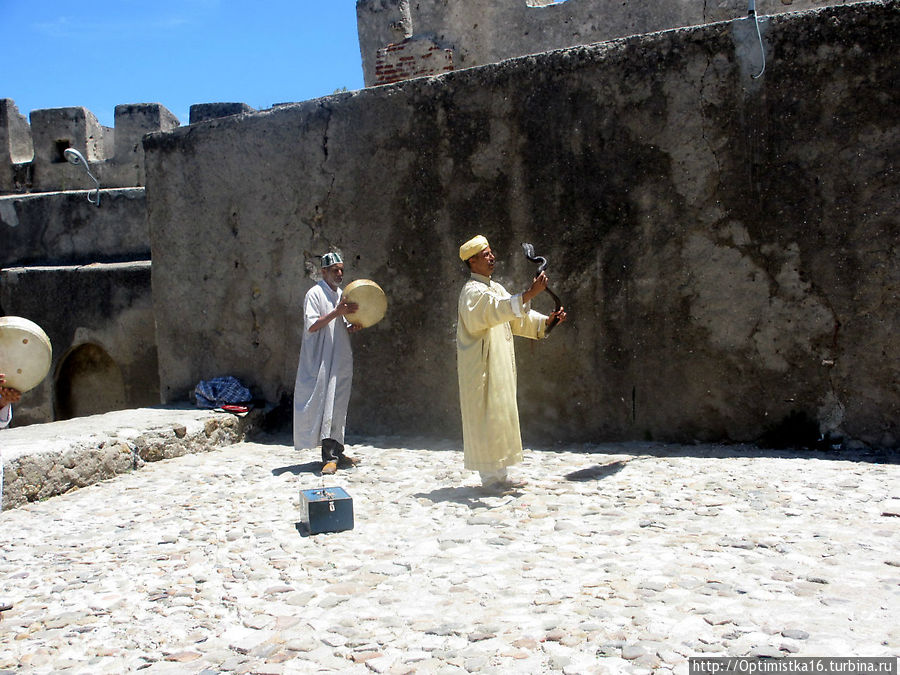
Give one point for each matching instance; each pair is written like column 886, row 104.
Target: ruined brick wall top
column 475, row 32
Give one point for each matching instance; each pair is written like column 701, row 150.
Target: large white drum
column 25, row 353
column 371, row 300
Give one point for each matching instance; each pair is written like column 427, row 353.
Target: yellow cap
column 473, row 246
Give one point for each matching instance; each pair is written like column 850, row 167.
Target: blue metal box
column 326, row 510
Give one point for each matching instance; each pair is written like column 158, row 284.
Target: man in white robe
column 325, row 369
column 486, row 364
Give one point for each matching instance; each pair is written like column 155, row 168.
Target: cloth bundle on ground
column 222, row 392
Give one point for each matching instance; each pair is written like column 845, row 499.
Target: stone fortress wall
column 400, row 39
column 82, row 272
column 726, row 245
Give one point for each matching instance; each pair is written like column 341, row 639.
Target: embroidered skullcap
column 330, row 259
column 473, row 246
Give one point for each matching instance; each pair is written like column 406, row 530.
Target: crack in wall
column 704, row 98
column 320, row 208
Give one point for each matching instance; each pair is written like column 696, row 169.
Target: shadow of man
column 470, row 496
column 297, row 469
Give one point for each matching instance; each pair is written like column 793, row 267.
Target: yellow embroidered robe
column 486, row 364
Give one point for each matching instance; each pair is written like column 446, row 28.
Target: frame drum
column 371, row 300
column 25, row 353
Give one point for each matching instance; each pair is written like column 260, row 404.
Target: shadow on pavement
column 711, row 450
column 596, row 472
column 727, row 451
column 297, row 469
column 468, row 496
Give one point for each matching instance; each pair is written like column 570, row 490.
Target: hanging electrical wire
column 751, row 12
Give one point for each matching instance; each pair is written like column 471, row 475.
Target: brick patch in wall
column 413, row 57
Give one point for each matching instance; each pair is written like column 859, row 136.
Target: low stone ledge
column 44, row 460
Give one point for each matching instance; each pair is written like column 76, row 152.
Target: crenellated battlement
column 32, row 155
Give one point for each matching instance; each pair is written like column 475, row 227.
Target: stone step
column 43, row 460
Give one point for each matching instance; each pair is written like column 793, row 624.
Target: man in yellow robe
column 486, row 362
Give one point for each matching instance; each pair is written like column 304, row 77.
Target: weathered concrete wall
column 727, row 247
column 100, row 322
column 63, row 228
column 479, row 32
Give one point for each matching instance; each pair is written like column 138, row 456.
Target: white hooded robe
column 324, row 372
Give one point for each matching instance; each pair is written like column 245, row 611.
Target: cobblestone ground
column 614, row 558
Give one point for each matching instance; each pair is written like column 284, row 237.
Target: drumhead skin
column 25, row 353
column 371, row 300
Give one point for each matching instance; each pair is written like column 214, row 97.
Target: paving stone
column 153, row 571
column 631, row 652
column 795, row 634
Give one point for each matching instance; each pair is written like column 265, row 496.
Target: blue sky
column 175, row 52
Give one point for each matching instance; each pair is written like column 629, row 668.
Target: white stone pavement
column 615, row 558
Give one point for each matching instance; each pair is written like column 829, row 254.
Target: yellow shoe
column 329, row 468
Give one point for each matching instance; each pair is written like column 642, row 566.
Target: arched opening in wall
column 88, row 382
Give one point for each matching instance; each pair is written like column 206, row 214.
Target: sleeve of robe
column 481, row 310
column 5, row 415
column 313, row 309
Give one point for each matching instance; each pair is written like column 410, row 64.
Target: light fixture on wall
column 76, row 158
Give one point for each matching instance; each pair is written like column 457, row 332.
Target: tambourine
column 25, row 353
column 371, row 300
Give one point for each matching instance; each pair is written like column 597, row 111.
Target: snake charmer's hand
column 538, row 286
column 559, row 315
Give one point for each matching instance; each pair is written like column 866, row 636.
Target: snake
column 542, row 265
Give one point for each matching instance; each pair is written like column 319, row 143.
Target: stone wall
column 64, row 228
column 82, row 273
column 100, row 322
column 476, row 32
column 727, row 247
column 79, row 270
column 53, row 459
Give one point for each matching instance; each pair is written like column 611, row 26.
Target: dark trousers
column 332, row 451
